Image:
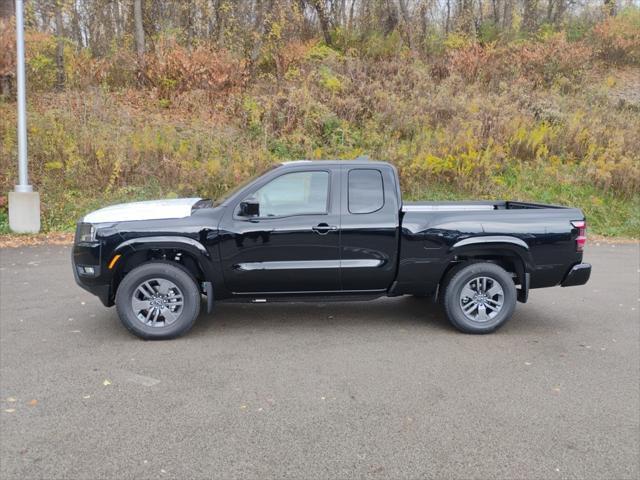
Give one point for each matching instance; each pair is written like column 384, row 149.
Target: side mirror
column 249, row 208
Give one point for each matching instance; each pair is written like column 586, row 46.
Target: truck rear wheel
column 479, row 298
column 158, row 300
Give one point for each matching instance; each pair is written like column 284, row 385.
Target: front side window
column 297, row 193
column 366, row 193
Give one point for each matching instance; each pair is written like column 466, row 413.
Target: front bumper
column 578, row 275
column 89, row 255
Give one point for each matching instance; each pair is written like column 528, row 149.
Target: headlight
column 85, row 233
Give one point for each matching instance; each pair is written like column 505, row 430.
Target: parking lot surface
column 382, row 389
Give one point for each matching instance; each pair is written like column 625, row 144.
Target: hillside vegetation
column 551, row 116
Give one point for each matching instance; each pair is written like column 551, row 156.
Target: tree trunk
column 139, row 29
column 219, row 20
column 561, row 8
column 186, row 21
column 610, row 7
column 259, row 28
column 529, row 18
column 496, row 12
column 75, row 27
column 7, row 55
column 353, row 4
column 324, row 20
column 406, row 19
column 424, row 20
column 467, row 22
column 447, row 23
column 507, row 17
column 60, row 76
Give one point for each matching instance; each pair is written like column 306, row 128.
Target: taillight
column 581, row 225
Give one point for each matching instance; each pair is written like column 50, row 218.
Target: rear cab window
column 365, row 190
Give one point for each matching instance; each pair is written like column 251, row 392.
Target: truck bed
column 434, row 231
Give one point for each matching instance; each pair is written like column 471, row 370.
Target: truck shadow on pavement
column 406, row 312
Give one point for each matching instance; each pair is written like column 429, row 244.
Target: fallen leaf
column 106, row 382
column 33, row 402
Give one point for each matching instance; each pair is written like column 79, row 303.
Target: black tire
column 452, row 301
column 176, row 274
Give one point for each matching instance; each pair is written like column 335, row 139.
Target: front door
column 291, row 242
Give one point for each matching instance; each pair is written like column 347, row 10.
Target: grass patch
column 4, row 223
column 607, row 214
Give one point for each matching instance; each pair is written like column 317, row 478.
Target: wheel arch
column 187, row 252
column 511, row 253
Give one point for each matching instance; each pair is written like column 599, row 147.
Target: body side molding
column 309, row 264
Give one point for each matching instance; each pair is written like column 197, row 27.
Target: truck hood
column 149, row 210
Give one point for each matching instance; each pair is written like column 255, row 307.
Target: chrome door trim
column 308, row 264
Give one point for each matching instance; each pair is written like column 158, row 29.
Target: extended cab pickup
column 312, row 229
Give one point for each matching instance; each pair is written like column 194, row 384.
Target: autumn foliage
column 547, row 117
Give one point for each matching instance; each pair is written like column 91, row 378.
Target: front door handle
column 324, row 228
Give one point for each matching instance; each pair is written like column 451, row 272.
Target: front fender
column 189, row 245
column 168, row 241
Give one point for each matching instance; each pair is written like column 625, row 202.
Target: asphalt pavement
column 382, row 389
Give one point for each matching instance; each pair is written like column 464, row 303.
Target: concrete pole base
column 24, row 212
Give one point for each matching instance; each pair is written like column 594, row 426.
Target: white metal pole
column 24, row 203
column 23, row 172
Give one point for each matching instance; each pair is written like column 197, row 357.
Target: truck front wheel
column 479, row 298
column 158, row 300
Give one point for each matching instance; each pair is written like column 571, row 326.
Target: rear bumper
column 578, row 275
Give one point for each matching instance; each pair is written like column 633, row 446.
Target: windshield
column 235, row 190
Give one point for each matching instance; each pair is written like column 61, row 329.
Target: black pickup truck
column 310, row 230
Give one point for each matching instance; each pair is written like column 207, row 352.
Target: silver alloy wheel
column 157, row 302
column 481, row 299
